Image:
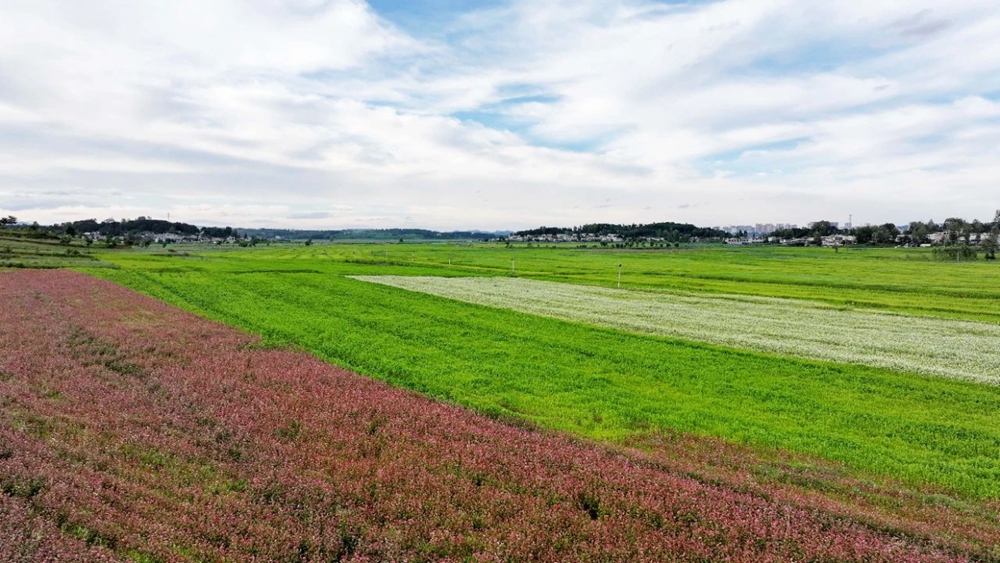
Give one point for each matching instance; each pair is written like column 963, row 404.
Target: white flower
column 941, row 347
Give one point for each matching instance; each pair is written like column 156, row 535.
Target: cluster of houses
column 569, row 237
column 161, row 238
column 830, row 240
column 749, row 240
column 941, row 238
column 170, row 238
column 843, row 240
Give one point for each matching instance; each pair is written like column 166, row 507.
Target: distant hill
column 666, row 230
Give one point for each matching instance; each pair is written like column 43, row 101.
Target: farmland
column 20, row 252
column 801, row 376
column 902, row 280
column 146, row 434
column 605, row 383
column 960, row 349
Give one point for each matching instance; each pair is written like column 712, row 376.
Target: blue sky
column 503, row 114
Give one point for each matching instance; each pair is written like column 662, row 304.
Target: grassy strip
column 901, row 280
column 946, row 348
column 17, row 252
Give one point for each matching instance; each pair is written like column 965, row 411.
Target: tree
column 918, row 232
column 886, row 234
column 864, row 235
column 824, row 228
column 956, row 252
column 955, row 224
column 11, row 220
column 991, row 244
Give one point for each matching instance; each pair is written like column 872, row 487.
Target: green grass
column 19, row 252
column 903, row 280
column 612, row 385
column 787, row 327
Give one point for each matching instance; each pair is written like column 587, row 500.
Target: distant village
column 145, row 231
column 831, row 234
column 569, row 237
column 160, row 238
column 952, row 231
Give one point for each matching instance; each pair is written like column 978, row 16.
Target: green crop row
column 903, row 280
column 803, row 329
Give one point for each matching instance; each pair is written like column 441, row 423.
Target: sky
column 505, row 114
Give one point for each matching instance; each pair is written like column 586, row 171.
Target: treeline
column 916, row 232
column 147, row 226
column 665, row 230
column 142, row 226
column 111, row 228
column 887, row 233
column 957, row 228
column 954, row 239
column 367, row 234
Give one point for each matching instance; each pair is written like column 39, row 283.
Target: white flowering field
column 941, row 347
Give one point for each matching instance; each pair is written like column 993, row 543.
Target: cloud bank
column 337, row 113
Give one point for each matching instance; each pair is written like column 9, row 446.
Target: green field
column 614, row 384
column 21, row 252
column 787, row 327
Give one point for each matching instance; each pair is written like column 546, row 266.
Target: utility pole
column 513, row 272
column 619, row 276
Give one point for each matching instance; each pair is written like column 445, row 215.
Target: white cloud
column 323, row 114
